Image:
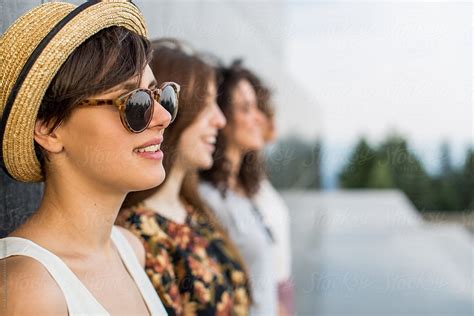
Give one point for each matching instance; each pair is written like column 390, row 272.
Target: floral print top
column 189, row 264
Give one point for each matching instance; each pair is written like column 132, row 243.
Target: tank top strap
column 138, row 274
column 78, row 298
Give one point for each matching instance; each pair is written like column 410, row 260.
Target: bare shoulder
column 136, row 244
column 27, row 288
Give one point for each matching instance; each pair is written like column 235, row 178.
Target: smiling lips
column 150, row 150
column 210, row 139
column 210, row 142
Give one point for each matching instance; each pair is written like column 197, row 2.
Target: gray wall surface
column 17, row 200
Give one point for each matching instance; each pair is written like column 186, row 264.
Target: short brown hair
column 107, row 59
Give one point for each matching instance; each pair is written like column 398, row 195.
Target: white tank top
column 78, row 298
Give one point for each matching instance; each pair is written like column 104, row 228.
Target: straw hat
column 31, row 52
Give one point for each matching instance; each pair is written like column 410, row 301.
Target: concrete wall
column 17, row 200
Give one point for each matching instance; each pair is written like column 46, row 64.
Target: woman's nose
column 219, row 118
column 259, row 117
column 161, row 117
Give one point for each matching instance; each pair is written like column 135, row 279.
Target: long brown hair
column 172, row 62
column 252, row 166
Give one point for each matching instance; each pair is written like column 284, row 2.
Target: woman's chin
column 152, row 180
column 201, row 161
column 254, row 147
column 207, row 164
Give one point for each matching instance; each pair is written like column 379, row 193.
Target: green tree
column 408, row 173
column 467, row 181
column 447, row 186
column 380, row 176
column 357, row 171
column 391, row 165
column 445, row 157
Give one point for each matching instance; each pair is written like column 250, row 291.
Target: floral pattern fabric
column 189, row 264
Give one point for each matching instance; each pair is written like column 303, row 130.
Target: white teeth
column 210, row 140
column 151, row 148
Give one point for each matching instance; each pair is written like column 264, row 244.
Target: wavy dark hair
column 252, row 169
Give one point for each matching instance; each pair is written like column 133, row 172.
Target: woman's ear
column 47, row 139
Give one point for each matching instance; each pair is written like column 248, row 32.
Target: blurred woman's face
column 268, row 128
column 245, row 129
column 197, row 142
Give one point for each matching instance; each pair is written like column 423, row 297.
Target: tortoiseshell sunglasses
column 136, row 107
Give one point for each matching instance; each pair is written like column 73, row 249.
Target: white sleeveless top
column 78, row 298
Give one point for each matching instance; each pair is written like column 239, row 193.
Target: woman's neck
column 234, row 156
column 74, row 217
column 166, row 201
